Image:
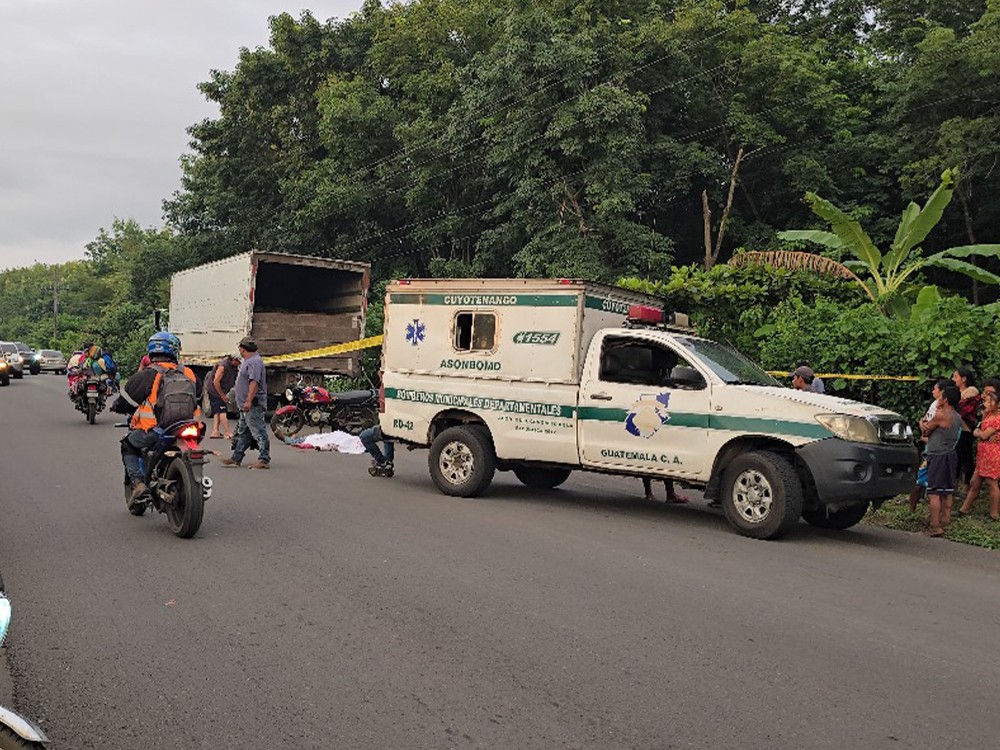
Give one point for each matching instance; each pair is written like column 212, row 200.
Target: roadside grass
column 976, row 529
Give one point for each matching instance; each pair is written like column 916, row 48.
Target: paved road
column 321, row 608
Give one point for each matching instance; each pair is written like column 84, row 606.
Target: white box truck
column 288, row 303
column 546, row 377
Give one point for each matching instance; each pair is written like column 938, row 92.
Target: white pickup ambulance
column 542, row 377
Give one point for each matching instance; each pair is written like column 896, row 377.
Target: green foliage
column 108, row 298
column 859, row 340
column 730, row 303
column 891, row 272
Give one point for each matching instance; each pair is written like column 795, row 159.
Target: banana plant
column 888, row 275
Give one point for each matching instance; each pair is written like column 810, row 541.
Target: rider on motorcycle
column 138, row 398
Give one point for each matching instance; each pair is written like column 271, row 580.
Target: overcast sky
column 95, row 99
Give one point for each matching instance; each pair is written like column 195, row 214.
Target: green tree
column 891, row 274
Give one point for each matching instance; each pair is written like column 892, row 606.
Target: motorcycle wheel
column 91, row 412
column 184, row 514
column 289, row 423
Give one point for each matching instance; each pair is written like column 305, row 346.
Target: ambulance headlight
column 847, row 427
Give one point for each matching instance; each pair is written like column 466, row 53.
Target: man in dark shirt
column 219, row 382
column 251, row 397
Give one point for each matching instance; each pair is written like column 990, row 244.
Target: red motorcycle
column 350, row 411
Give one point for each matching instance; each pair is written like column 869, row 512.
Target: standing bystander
column 920, row 486
column 818, row 386
column 987, row 457
column 942, row 432
column 220, row 380
column 803, row 378
column 251, row 397
column 968, row 409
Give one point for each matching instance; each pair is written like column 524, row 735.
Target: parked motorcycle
column 90, row 396
column 173, row 472
column 350, row 411
column 16, row 732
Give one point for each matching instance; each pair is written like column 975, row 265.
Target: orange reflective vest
column 144, row 417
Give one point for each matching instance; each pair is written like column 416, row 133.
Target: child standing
column 942, row 432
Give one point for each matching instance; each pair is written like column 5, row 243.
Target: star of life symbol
column 415, row 332
column 648, row 415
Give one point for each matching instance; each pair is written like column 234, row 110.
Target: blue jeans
column 132, row 446
column 252, row 423
column 370, row 437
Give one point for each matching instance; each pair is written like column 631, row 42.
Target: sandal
column 934, row 531
column 677, row 499
column 229, row 436
column 963, row 513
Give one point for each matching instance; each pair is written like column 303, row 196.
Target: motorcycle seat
column 354, row 397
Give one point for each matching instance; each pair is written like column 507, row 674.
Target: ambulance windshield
column 727, row 363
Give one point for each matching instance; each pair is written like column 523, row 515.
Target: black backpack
column 177, row 397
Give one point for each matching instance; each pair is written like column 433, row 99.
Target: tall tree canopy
column 551, row 137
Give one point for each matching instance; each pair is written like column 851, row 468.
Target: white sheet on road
column 342, row 442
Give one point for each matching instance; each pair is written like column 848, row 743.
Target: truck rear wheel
column 761, row 495
column 462, row 461
column 841, row 519
column 540, row 478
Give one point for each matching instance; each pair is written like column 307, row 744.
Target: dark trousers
column 966, row 457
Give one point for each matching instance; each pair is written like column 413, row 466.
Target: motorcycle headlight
column 847, row 427
column 288, row 394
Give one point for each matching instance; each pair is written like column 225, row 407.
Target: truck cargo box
column 288, row 303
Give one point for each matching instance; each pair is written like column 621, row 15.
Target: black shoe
column 381, row 470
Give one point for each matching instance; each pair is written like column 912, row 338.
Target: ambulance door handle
column 600, row 397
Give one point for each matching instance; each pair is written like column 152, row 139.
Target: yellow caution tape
column 827, row 376
column 372, row 341
column 327, row 351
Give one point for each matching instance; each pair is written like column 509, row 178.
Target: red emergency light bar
column 645, row 314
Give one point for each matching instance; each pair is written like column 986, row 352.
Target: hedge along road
column 321, row 608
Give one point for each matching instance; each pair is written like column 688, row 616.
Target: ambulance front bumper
column 846, row 473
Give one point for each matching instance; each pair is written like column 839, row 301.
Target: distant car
column 11, row 353
column 28, row 358
column 50, row 360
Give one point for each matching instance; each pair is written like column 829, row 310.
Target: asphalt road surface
column 321, row 608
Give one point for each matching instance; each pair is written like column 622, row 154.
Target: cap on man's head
column 805, row 373
column 248, row 343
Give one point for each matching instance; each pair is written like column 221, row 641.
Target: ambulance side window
column 643, row 363
column 475, row 332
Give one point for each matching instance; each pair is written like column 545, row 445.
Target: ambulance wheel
column 5, row 379
column 539, row 478
column 34, row 368
column 841, row 519
column 462, row 461
column 761, row 495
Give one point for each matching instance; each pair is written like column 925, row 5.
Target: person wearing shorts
column 221, row 380
column 942, row 432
